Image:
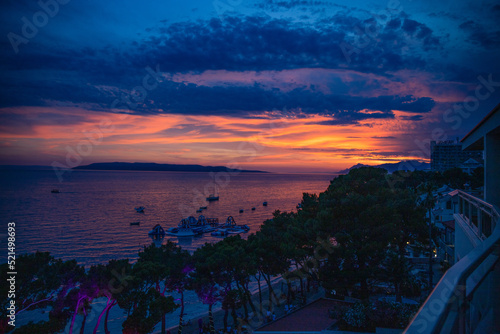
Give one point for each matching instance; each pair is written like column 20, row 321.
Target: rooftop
column 474, row 139
column 311, row 318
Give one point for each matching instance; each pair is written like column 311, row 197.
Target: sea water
column 89, row 219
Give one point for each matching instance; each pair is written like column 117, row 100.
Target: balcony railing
column 463, row 300
column 480, row 215
column 448, row 249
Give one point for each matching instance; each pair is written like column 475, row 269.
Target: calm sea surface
column 89, row 220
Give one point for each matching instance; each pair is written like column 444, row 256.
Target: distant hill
column 24, row 167
column 142, row 166
column 407, row 165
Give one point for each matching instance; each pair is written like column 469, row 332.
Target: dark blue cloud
column 277, row 5
column 354, row 118
column 243, row 101
column 43, row 74
column 252, row 100
column 410, row 26
column 394, row 23
column 420, row 105
column 23, row 123
column 479, row 35
column 412, row 118
column 252, row 43
column 238, row 43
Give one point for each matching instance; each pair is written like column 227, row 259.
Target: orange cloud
column 284, row 144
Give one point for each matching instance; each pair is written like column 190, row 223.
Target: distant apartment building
column 449, row 154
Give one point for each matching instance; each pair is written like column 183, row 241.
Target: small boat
column 157, row 230
column 140, row 209
column 241, row 210
column 235, row 230
column 212, row 197
column 199, row 210
column 238, row 229
column 203, row 207
column 264, row 204
column 253, row 209
column 219, row 233
column 55, row 191
column 135, row 223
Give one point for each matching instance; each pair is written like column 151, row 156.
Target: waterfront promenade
column 256, row 321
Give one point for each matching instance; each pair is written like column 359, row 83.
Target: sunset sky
column 275, row 85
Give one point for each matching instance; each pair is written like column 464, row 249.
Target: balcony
column 466, row 298
column 482, row 217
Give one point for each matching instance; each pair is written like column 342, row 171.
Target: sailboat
column 213, row 197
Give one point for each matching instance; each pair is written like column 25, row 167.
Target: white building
column 469, row 165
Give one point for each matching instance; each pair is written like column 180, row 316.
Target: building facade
column 449, row 154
